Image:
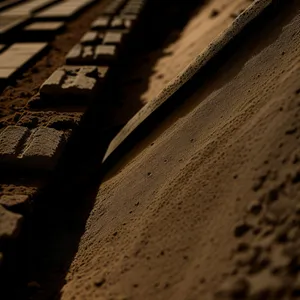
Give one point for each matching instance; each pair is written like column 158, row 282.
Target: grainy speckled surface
column 217, row 178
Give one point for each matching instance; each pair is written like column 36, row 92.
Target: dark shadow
column 160, row 25
column 60, row 214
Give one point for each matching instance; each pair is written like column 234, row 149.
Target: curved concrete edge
column 228, row 36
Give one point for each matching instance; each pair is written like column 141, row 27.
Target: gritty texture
column 73, row 81
column 43, row 148
column 207, row 206
column 212, row 49
column 39, row 148
column 11, row 138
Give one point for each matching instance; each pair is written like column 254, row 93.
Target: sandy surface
column 212, row 194
column 209, row 19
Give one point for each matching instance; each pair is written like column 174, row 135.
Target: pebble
column 241, row 229
column 255, row 207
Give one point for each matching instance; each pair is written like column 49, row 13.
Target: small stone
column 74, row 54
column 113, row 38
column 291, row 131
column 105, row 53
column 100, row 282
column 255, row 207
column 121, row 23
column 267, row 230
column 10, row 223
column 64, row 122
column 214, row 13
column 15, row 201
column 241, row 229
column 100, row 23
column 11, row 139
column 72, row 85
column 91, row 37
column 43, row 149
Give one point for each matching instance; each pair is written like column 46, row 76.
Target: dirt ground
column 207, row 205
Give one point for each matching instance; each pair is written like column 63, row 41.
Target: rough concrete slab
column 101, row 23
column 6, row 73
column 27, row 8
column 10, row 224
column 11, row 141
column 16, row 57
column 132, row 17
column 20, row 54
column 130, row 13
column 29, row 48
column 74, row 54
column 39, row 148
column 19, row 203
column 63, row 10
column 43, row 149
column 87, row 55
column 113, row 38
column 134, row 10
column 8, row 23
column 120, row 22
column 71, row 84
column 92, row 38
column 8, row 3
column 113, row 7
column 45, row 26
column 65, row 122
column 54, row 119
column 133, row 7
column 105, row 53
column 13, row 60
